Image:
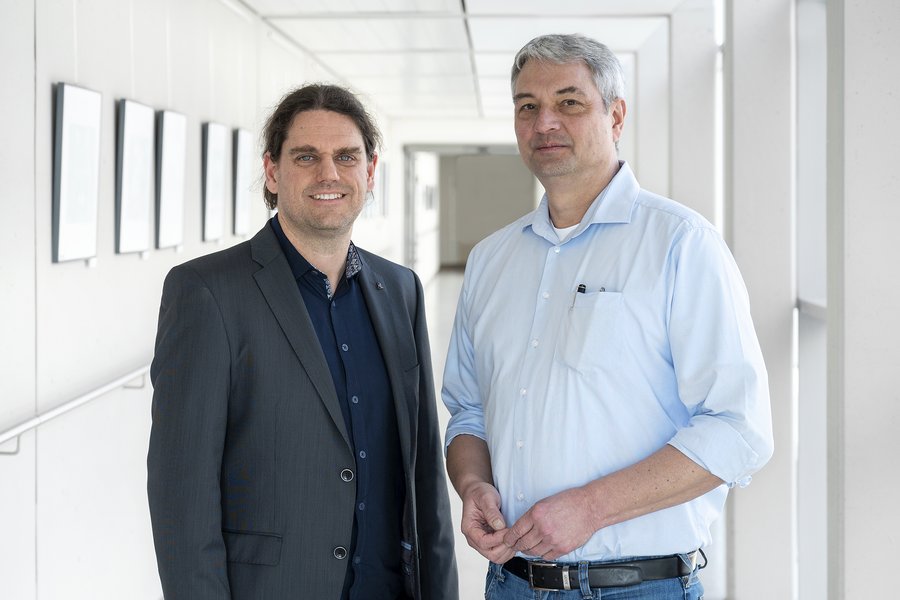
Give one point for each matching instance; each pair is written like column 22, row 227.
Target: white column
column 693, row 54
column 652, row 113
column 863, row 297
column 17, row 298
column 759, row 190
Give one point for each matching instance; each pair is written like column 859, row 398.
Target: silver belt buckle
column 567, row 584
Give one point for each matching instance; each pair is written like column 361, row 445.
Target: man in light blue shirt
column 604, row 378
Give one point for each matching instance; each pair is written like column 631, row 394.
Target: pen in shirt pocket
column 579, row 290
column 582, row 289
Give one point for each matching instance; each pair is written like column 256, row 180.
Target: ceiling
column 448, row 58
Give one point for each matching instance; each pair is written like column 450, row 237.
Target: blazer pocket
column 252, row 548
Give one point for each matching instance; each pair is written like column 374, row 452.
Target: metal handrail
column 72, row 404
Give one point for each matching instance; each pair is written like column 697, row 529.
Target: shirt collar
column 613, row 205
column 300, row 266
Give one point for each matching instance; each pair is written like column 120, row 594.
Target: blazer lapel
column 277, row 284
column 383, row 303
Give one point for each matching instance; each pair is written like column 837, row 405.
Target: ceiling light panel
column 364, row 64
column 491, row 34
column 426, row 105
column 412, row 85
column 494, row 64
column 571, row 7
column 375, row 35
column 281, row 8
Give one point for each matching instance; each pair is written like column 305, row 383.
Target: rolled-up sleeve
column 718, row 363
column 460, row 391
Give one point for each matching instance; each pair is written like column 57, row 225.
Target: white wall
column 651, row 114
column 17, row 298
column 863, row 296
column 424, row 214
column 73, row 510
column 692, row 174
column 481, row 194
column 759, row 199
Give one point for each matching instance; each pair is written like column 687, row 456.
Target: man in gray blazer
column 295, row 451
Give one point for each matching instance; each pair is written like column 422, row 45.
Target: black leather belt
column 554, row 576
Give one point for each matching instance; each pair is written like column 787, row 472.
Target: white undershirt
column 564, row 232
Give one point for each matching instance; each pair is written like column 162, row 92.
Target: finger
column 485, row 542
column 528, row 541
column 531, row 543
column 544, row 550
column 490, row 509
column 501, row 554
column 553, row 554
column 495, row 519
column 518, row 530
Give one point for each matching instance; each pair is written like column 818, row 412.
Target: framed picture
column 215, row 180
column 171, row 157
column 243, row 180
column 134, row 176
column 76, row 172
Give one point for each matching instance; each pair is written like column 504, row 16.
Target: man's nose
column 327, row 169
column 546, row 120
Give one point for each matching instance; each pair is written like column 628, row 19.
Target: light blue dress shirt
column 568, row 386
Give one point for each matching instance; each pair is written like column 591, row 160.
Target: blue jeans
column 503, row 585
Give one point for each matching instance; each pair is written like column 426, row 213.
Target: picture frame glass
column 134, row 176
column 170, row 179
column 243, row 180
column 215, row 180
column 76, row 173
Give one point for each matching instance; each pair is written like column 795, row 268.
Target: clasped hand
column 551, row 528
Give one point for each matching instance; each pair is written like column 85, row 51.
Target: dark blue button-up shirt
column 347, row 337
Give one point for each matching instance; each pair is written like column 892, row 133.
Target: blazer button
column 340, row 553
column 347, row 475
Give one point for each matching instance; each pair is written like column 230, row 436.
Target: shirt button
column 340, row 553
column 362, row 506
column 546, row 295
column 357, row 560
column 362, row 453
column 519, row 444
column 556, row 249
column 534, row 343
column 520, row 496
column 345, row 347
column 523, row 391
column 355, row 399
column 347, row 475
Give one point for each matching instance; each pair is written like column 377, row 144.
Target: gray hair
column 568, row 48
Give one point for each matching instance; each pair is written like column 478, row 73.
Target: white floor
column 441, row 294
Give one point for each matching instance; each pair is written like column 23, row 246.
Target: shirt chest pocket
column 591, row 333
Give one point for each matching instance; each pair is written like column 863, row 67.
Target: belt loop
column 584, row 583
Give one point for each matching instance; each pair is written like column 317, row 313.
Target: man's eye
column 526, row 107
column 305, row 157
column 570, row 102
column 345, row 157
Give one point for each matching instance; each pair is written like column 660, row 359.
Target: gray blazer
column 251, row 476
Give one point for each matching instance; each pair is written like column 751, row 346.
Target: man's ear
column 618, row 110
column 270, row 168
column 370, row 173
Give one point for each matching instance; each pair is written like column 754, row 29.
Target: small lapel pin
column 379, row 285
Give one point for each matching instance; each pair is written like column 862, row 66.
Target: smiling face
column 322, row 175
column 562, row 126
